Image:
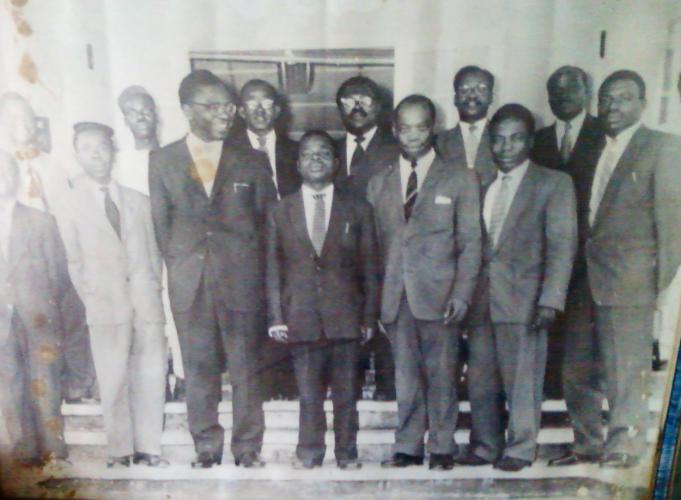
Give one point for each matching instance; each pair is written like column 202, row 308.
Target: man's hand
column 278, row 333
column 456, row 311
column 544, row 317
column 367, row 334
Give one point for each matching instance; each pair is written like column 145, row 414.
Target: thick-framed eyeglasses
column 349, row 102
column 216, row 107
column 480, row 88
column 253, row 104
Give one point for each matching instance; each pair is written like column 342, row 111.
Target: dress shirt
column 422, row 167
column 132, row 169
column 309, row 204
column 211, row 151
column 96, row 189
column 6, row 215
column 350, row 145
column 516, row 176
column 271, row 146
column 575, row 128
column 471, row 139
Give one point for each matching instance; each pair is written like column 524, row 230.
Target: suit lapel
column 296, row 214
column 333, row 232
column 18, row 242
column 484, row 163
column 521, row 200
column 93, row 210
column 429, row 183
column 342, row 155
column 186, row 164
column 222, row 171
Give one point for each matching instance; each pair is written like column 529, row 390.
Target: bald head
column 17, row 121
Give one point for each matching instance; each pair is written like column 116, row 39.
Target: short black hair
column 198, row 78
column 359, row 82
column 257, row 82
column 133, row 91
column 323, row 134
column 80, row 127
column 418, row 100
column 469, row 70
column 513, row 111
column 625, row 74
column 569, row 70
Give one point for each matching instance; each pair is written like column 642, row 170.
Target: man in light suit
column 529, row 242
column 468, row 143
column 116, row 267
column 633, row 249
column 427, row 216
column 323, row 291
column 209, row 203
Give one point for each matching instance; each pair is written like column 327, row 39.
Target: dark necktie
column 318, row 223
column 111, row 211
column 358, row 155
column 566, row 144
column 412, row 187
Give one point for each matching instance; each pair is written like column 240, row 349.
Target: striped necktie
column 566, row 144
column 499, row 210
column 412, row 189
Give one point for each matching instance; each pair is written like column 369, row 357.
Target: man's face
column 18, row 123
column 511, row 143
column 567, row 96
column 414, row 130
column 211, row 113
column 9, row 177
column 473, row 97
column 316, row 160
column 359, row 109
column 259, row 109
column 620, row 105
column 94, row 152
column 140, row 116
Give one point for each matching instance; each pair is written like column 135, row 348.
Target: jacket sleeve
column 468, row 237
column 57, row 265
column 160, row 202
column 273, row 273
column 74, row 256
column 370, row 266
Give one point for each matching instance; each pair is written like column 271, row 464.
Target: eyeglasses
column 350, row 102
column 216, row 107
column 480, row 88
column 253, row 104
column 324, row 155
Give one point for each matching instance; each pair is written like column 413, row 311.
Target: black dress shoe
column 572, row 458
column 117, row 462
column 510, row 464
column 402, row 460
column 250, row 460
column 305, row 463
column 205, row 460
column 619, row 461
column 150, row 460
column 441, row 461
column 471, row 459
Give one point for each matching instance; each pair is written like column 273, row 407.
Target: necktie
column 412, row 188
column 111, row 211
column 601, row 180
column 318, row 223
column 566, row 144
column 498, row 215
column 471, row 145
column 205, row 168
column 359, row 153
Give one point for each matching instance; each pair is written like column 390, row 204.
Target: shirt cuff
column 276, row 327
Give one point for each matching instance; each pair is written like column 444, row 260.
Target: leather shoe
column 117, row 462
column 441, row 461
column 619, row 461
column 205, row 460
column 572, row 458
column 471, row 459
column 402, row 460
column 250, row 460
column 510, row 464
column 349, row 464
column 305, row 463
column 150, row 460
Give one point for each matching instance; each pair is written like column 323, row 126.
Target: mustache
column 472, row 100
column 359, row 111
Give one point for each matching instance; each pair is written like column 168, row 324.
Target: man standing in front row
column 209, row 204
column 427, row 214
column 323, row 291
column 529, row 241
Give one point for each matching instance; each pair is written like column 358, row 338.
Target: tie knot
column 359, row 139
column 262, row 141
column 473, row 128
column 318, row 196
column 568, row 126
column 105, row 190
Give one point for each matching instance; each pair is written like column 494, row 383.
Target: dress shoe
column 305, row 463
column 572, row 458
column 441, row 461
column 349, row 464
column 471, row 459
column 619, row 461
column 118, row 462
column 510, row 464
column 205, row 460
column 250, row 460
column 180, row 392
column 402, row 460
column 150, row 460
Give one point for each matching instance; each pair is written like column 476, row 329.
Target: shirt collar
column 426, row 159
column 270, row 138
column 517, row 173
column 195, row 142
column 622, row 139
column 308, row 192
column 575, row 124
column 368, row 135
column 480, row 124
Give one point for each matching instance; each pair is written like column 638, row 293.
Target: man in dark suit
column 427, row 216
column 323, row 293
column 209, row 203
column 633, row 249
column 468, row 143
column 36, row 283
column 365, row 149
column 530, row 239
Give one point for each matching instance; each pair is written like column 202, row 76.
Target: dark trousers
column 78, row 379
column 30, row 388
column 278, row 377
column 317, row 365
column 506, row 362
column 426, row 355
column 610, row 343
column 206, row 331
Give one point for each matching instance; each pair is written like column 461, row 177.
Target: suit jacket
column 334, row 293
column 35, row 275
column 450, row 146
column 380, row 151
column 434, row 256
column 581, row 167
column 286, row 153
column 633, row 249
column 118, row 279
column 532, row 261
column 221, row 234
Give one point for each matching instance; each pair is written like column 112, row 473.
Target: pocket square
column 442, row 200
column 240, row 186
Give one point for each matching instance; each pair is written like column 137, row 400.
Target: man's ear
column 276, row 110
column 241, row 111
column 188, row 112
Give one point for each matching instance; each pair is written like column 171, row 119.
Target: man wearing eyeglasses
column 468, row 143
column 209, row 202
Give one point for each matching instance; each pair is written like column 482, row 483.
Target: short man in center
column 323, row 293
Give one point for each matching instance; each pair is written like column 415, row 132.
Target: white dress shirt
column 309, row 205
column 351, row 145
column 96, row 189
column 515, row 177
column 6, row 216
column 211, row 151
column 271, row 146
column 422, row 167
column 132, row 169
column 471, row 139
column 575, row 128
